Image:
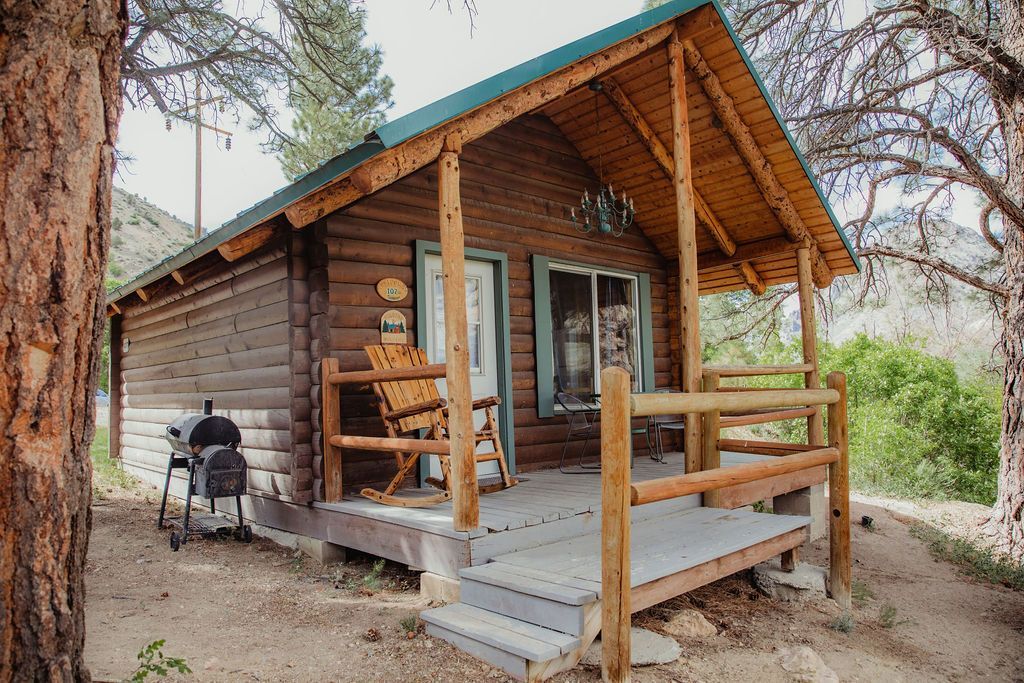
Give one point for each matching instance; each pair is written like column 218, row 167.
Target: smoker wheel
column 175, row 541
column 247, row 534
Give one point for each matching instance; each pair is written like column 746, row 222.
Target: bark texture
column 1007, row 522
column 59, row 110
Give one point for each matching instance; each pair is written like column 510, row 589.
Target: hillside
column 142, row 234
column 960, row 326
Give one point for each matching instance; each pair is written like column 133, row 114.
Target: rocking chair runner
column 410, row 405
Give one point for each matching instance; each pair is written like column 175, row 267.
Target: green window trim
column 503, row 334
column 543, row 328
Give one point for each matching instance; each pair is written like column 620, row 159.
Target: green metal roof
column 396, row 132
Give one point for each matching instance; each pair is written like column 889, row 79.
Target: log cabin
column 476, row 200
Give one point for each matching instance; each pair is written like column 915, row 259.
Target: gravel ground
column 261, row 612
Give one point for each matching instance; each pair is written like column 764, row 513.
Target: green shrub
column 916, row 429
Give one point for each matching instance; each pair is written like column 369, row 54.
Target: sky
column 428, row 53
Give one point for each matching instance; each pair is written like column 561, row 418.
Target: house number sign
column 392, row 289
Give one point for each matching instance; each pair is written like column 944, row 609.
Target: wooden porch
column 546, row 507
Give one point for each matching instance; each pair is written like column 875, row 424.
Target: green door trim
column 503, row 333
column 542, row 326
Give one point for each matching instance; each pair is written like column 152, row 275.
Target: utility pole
column 199, row 125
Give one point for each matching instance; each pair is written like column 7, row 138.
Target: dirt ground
column 262, row 612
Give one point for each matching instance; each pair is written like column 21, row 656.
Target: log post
column 808, row 334
column 712, row 430
column 840, row 563
column 686, row 229
column 465, row 495
column 330, row 416
column 616, row 445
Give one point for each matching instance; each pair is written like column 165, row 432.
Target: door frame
column 502, row 329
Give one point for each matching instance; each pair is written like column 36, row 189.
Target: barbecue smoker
column 206, row 445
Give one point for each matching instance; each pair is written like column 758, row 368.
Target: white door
column 483, row 339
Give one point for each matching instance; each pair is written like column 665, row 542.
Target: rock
column 646, row 648
column 806, row 665
column 805, row 582
column 690, row 623
column 212, row 664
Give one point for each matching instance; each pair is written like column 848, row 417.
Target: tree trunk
column 59, row 109
column 1006, row 522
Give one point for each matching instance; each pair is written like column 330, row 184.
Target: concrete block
column 807, row 501
column 439, row 588
column 323, row 552
column 805, row 582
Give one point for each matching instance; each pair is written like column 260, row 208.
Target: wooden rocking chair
column 410, row 405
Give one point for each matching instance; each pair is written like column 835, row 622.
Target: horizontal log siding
column 229, row 335
column 518, row 184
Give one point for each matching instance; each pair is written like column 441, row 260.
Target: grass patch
column 887, row 616
column 973, row 561
column 843, row 623
column 371, row 583
column 106, row 471
column 861, row 592
column 409, row 624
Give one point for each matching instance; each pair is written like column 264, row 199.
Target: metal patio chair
column 672, row 423
column 582, row 417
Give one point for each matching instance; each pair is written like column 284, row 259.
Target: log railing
column 618, row 493
column 330, row 411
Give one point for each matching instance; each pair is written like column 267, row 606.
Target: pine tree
column 333, row 113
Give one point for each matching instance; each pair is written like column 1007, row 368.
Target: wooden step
column 541, row 584
column 552, row 614
column 501, row 641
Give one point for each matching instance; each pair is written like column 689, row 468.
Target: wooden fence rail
column 330, row 410
column 618, row 493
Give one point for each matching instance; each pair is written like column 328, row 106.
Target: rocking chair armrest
column 416, row 409
column 487, row 402
column 481, row 403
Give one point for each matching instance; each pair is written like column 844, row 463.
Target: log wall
column 518, row 185
column 233, row 334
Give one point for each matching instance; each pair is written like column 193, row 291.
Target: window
column 595, row 318
column 473, row 317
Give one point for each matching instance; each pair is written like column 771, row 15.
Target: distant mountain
column 959, row 325
column 141, row 235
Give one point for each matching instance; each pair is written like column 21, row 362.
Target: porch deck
column 546, row 507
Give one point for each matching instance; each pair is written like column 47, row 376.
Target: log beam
column 142, row 294
column 712, row 456
column 632, row 116
column 689, row 313
column 749, row 274
column 411, row 155
column 840, row 562
column 330, row 416
column 775, row 195
column 247, row 242
column 465, row 493
column 809, row 339
column 615, row 526
column 178, row 277
column 773, row 246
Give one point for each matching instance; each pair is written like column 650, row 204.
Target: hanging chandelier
column 604, row 214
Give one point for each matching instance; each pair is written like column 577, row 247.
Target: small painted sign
column 393, row 328
column 392, row 289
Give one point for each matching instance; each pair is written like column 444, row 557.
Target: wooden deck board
column 548, row 506
column 661, row 546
